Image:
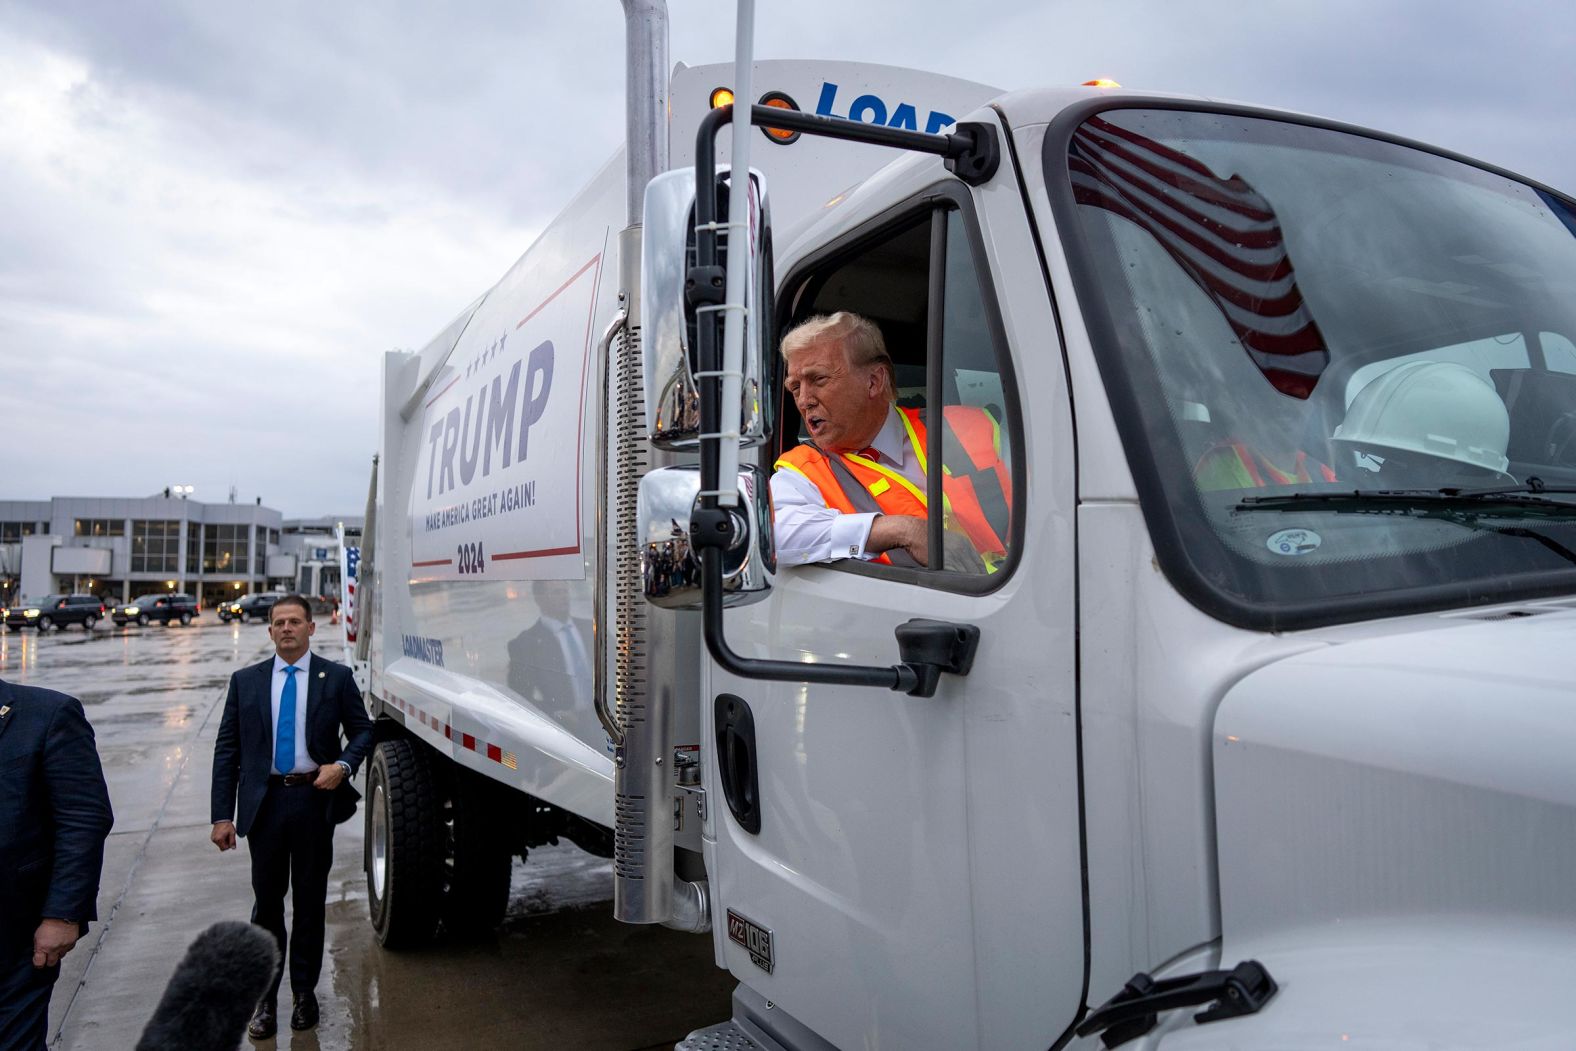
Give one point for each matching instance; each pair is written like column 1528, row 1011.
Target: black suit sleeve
column 227, row 758
column 357, row 723
column 79, row 804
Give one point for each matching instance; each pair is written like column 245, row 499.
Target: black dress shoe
column 264, row 1022
column 305, row 1014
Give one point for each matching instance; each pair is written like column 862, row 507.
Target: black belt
column 292, row 780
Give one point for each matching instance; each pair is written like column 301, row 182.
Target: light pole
column 182, row 491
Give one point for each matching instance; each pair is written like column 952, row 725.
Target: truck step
column 726, row 1036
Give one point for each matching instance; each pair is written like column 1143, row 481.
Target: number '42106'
column 472, row 558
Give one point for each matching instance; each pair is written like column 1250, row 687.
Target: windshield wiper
column 1522, row 500
column 1463, row 507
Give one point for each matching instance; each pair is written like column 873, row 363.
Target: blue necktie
column 284, row 746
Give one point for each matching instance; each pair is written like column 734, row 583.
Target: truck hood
column 1421, row 781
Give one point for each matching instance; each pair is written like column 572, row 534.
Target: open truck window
column 918, row 280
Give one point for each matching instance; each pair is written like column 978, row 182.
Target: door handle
column 736, row 761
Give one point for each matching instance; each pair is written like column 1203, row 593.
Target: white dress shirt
column 576, row 661
column 303, row 761
column 807, row 530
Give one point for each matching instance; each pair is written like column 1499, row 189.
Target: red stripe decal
column 445, row 390
column 465, row 740
column 559, row 289
column 544, row 553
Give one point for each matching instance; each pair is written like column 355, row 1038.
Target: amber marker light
column 779, row 100
column 721, row 97
column 1101, row 82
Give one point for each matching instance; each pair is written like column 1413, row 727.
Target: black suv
column 249, row 607
column 54, row 611
column 163, row 607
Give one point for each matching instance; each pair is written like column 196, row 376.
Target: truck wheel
column 88, row 622
column 45, row 623
column 142, row 620
column 186, row 618
column 480, row 856
column 404, row 845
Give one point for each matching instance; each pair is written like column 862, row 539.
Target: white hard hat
column 1436, row 408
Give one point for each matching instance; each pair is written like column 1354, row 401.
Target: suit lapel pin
column 322, row 675
column 5, row 711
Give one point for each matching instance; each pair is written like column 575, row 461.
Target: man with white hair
column 857, row 488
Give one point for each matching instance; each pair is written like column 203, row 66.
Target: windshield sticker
column 1294, row 542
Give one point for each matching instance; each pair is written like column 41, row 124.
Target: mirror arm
column 972, row 152
column 900, row 677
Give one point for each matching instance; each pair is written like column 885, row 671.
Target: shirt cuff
column 849, row 534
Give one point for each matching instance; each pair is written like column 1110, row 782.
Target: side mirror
column 668, row 332
column 669, row 569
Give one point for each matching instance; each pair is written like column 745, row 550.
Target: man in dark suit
column 550, row 662
column 54, row 816
column 280, row 772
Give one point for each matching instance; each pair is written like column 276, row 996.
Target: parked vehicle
column 249, row 607
column 1266, row 708
column 54, row 611
column 161, row 607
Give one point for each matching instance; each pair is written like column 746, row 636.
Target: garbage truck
column 1256, row 730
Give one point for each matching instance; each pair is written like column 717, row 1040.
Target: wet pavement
column 560, row 972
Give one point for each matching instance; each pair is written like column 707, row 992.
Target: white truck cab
column 1258, row 734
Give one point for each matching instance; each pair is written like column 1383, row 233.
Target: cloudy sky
column 215, row 217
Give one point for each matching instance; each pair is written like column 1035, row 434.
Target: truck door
column 898, row 872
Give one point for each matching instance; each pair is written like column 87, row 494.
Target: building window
column 99, row 527
column 13, row 532
column 224, row 549
column 155, row 546
column 193, row 548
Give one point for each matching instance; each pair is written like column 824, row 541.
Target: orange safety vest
column 1249, row 469
column 976, row 486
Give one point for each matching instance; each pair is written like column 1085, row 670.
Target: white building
column 119, row 547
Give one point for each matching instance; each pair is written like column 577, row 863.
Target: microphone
column 214, row 990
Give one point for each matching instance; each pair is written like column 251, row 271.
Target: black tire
column 88, row 622
column 45, row 623
column 404, row 845
column 142, row 620
column 245, row 617
column 480, row 861
column 186, row 618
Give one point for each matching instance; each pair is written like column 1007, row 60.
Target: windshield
column 1280, row 308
